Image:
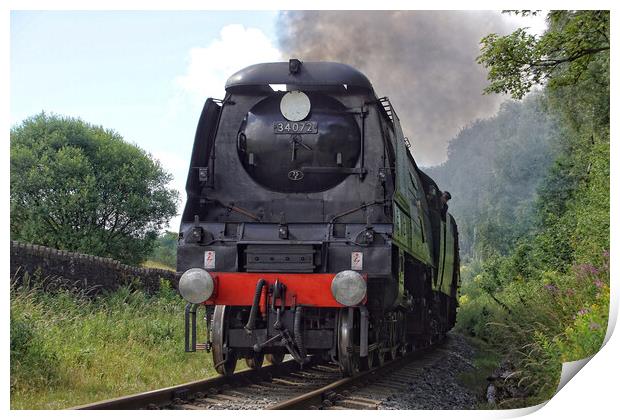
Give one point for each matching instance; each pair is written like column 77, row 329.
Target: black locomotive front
column 307, row 155
column 287, row 234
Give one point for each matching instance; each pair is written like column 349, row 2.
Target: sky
column 145, row 75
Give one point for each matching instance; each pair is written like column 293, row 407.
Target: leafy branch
column 520, row 60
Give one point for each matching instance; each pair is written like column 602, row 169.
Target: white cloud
column 209, row 67
column 207, row 70
column 171, row 162
column 177, row 166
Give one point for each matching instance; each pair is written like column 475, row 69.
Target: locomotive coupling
column 196, row 285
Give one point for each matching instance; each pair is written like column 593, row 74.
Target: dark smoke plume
column 425, row 61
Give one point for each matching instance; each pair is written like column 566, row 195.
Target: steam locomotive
column 309, row 229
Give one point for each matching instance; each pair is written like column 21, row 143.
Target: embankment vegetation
column 68, row 349
column 531, row 194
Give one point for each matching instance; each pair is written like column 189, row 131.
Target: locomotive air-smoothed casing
column 350, row 187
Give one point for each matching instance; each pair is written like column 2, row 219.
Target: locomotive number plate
column 301, row 127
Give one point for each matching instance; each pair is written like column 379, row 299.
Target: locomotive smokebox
column 287, row 154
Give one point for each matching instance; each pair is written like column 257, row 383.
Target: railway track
column 369, row 389
column 285, row 387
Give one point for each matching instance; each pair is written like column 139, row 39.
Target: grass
column 67, row 349
column 485, row 362
column 157, row 264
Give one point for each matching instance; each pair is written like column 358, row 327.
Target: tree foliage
column 165, row 251
column 544, row 298
column 80, row 187
column 520, row 60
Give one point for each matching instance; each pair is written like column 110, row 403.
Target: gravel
column 428, row 382
column 434, row 385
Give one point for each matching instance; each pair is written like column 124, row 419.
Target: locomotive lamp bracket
column 282, row 227
column 196, row 234
column 369, row 232
column 294, row 65
column 283, row 232
column 203, row 174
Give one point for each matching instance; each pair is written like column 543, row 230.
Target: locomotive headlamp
column 196, row 285
column 348, row 288
column 295, row 105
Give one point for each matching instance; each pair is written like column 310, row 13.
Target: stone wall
column 54, row 268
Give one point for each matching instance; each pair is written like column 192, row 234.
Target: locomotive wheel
column 224, row 358
column 255, row 361
column 393, row 353
column 348, row 337
column 275, row 358
column 378, row 358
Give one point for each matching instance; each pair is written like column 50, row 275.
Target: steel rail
column 166, row 395
column 315, row 399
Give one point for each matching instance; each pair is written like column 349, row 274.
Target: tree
column 165, row 250
column 561, row 55
column 548, row 287
column 572, row 57
column 80, row 187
